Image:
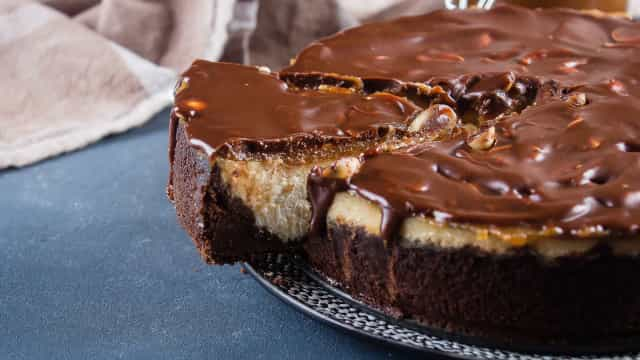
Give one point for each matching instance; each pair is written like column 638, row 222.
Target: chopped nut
column 342, row 168
column 182, row 84
column 577, row 99
column 264, row 69
column 484, row 140
column 436, row 117
column 345, row 167
column 423, row 89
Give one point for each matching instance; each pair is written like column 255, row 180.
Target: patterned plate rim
column 554, row 351
column 282, row 295
column 277, row 280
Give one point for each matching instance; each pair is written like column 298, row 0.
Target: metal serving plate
column 289, row 279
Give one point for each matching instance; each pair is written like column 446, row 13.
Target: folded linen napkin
column 74, row 71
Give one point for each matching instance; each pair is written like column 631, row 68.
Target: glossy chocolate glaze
column 567, row 46
column 569, row 162
column 229, row 106
column 559, row 88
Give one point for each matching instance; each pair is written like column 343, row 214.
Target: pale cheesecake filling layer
column 276, row 193
column 352, row 210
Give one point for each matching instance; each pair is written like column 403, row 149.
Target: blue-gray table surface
column 93, row 265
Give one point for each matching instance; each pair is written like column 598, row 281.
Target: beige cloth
column 74, row 71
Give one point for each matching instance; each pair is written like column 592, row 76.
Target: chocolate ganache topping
column 569, row 162
column 229, row 107
column 547, row 105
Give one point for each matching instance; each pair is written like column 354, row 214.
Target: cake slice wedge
column 243, row 142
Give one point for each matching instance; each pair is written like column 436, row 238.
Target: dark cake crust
column 518, row 298
column 221, row 226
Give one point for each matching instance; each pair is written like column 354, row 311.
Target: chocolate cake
column 477, row 171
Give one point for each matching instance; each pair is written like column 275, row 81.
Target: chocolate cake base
column 520, row 298
column 221, row 226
